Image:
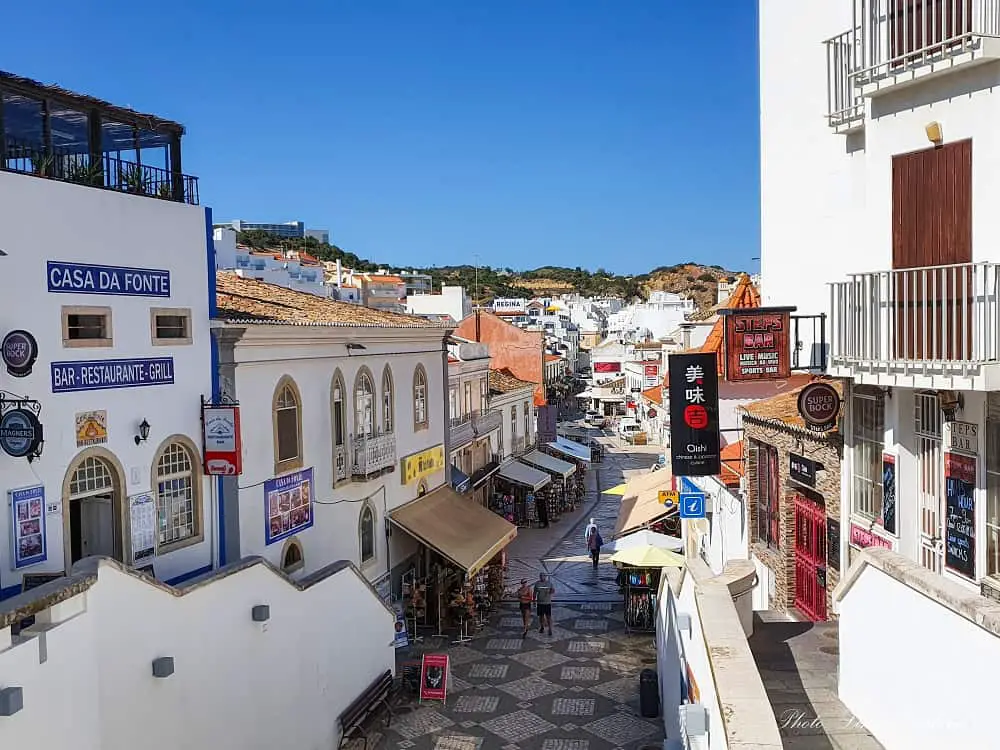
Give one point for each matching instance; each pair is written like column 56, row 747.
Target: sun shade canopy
column 549, row 463
column 641, row 504
column 524, row 475
column 571, row 449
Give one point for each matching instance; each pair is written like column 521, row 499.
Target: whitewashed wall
column 237, row 684
column 514, row 401
column 58, row 221
column 727, row 538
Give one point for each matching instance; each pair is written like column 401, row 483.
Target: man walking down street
column 544, row 591
column 524, row 597
column 594, row 543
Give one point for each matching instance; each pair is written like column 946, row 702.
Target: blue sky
column 524, row 132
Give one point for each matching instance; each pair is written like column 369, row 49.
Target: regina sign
column 819, row 406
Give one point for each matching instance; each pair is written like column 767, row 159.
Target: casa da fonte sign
column 757, row 344
column 119, row 281
column 694, row 415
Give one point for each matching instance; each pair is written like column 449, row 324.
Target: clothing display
column 639, row 586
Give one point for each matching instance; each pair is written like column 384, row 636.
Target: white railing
column 487, row 421
column 900, row 35
column 339, row 463
column 844, row 103
column 461, row 430
column 373, row 453
column 936, row 315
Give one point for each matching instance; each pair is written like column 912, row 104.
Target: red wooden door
column 810, row 558
column 932, row 292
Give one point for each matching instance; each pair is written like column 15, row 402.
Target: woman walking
column 594, row 542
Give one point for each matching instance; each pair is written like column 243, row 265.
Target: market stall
column 561, row 491
column 640, row 567
column 458, row 577
column 520, row 494
column 580, row 455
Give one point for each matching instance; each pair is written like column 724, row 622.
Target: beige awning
column 524, row 475
column 458, row 528
column 549, row 463
column 641, row 502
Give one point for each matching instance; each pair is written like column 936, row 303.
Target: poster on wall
column 28, row 526
column 434, row 678
column 142, row 520
column 757, row 346
column 650, row 373
column 287, row 505
column 960, row 514
column 91, row 428
column 889, row 493
column 694, row 415
column 401, row 639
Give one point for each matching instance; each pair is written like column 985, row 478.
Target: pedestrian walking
column 525, row 595
column 594, row 543
column 544, row 591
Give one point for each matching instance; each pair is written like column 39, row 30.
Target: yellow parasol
column 647, row 556
column 618, row 489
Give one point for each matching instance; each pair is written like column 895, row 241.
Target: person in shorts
column 544, row 591
column 524, row 598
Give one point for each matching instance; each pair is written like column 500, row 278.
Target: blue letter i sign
column 692, row 504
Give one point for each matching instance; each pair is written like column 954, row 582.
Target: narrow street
column 577, row 689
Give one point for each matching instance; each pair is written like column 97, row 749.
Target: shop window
column 177, row 496
column 292, row 558
column 388, row 407
column 767, row 492
column 993, row 497
column 367, row 534
column 170, row 326
column 868, row 433
column 86, row 326
column 419, row 398
column 287, row 410
column 364, row 405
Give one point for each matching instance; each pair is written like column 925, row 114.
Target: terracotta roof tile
column 732, row 464
column 251, row 301
column 503, row 381
column 654, row 394
column 385, row 279
column 745, row 295
column 783, row 409
column 552, row 357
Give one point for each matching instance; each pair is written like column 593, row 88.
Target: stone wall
column 825, row 449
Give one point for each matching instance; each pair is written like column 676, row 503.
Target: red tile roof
column 745, row 295
column 552, row 357
column 732, row 464
column 654, row 394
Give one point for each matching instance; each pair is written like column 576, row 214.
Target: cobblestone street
column 577, row 689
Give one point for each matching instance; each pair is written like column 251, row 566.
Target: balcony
column 901, row 41
column 461, row 431
column 935, row 327
column 485, row 422
column 845, row 105
column 339, row 463
column 373, row 454
column 55, row 134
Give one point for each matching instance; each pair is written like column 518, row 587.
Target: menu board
column 960, row 514
column 833, row 543
column 143, row 518
column 287, row 505
column 27, row 515
column 889, row 493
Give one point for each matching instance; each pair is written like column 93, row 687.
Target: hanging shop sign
column 962, row 437
column 119, row 281
column 802, row 469
column 221, row 439
column 651, row 373
column 960, row 514
column 288, row 505
column 91, row 428
column 20, row 430
column 757, row 345
column 694, row 415
column 607, row 367
column 434, row 673
column 889, row 493
column 819, row 406
column 862, row 538
column 419, row 465
column 27, row 512
column 667, row 498
column 19, row 351
column 142, row 520
column 101, row 375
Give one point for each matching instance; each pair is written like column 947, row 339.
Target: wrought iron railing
column 373, row 454
column 339, row 463
column 108, row 172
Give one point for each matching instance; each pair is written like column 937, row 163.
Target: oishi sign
column 757, row 346
column 223, row 451
column 694, row 415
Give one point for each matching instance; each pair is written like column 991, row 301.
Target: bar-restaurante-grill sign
column 819, row 406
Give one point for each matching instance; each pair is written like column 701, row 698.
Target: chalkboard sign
column 34, row 580
column 833, row 543
column 889, row 493
column 960, row 514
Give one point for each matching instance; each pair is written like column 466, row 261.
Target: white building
column 293, row 270
column 513, row 398
column 355, row 420
column 452, row 301
column 891, row 194
column 655, row 318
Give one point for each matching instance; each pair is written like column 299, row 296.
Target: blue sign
column 20, row 434
column 86, row 278
column 27, row 513
column 102, row 375
column 692, row 504
column 287, row 505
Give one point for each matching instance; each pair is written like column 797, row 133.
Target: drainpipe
column 478, row 329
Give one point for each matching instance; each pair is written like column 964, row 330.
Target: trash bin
column 649, row 694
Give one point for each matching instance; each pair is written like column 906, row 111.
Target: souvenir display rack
column 516, row 506
column 640, row 586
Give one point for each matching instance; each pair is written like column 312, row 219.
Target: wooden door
column 810, row 558
column 931, row 293
column 926, row 28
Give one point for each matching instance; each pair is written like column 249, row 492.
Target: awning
column 571, row 449
column 549, row 463
column 479, row 476
column 524, row 475
column 459, row 529
column 459, row 479
column 641, row 505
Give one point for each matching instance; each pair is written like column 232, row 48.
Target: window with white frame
column 176, row 495
column 868, row 443
column 339, row 412
column 466, row 398
column 453, row 403
column 484, row 391
column 287, row 426
column 387, row 401
column 367, row 533
column 419, row 398
column 993, row 495
column 364, row 405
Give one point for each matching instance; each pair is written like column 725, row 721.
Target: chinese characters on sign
column 757, row 345
column 288, row 505
column 694, row 415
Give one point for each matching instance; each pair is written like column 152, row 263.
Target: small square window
column 170, row 326
column 86, row 326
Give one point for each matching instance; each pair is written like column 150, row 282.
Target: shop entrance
column 810, row 558
column 930, row 470
column 92, row 511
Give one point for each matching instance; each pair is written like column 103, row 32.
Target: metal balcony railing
column 339, row 463
column 845, row 105
column 487, row 421
column 940, row 317
column 461, row 430
column 898, row 36
column 373, row 454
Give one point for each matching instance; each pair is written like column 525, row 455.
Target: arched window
column 287, row 409
column 364, row 405
column 419, row 398
column 366, row 533
column 177, row 490
column 338, row 420
column 387, row 400
column 292, row 558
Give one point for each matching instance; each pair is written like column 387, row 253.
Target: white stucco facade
column 152, row 260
